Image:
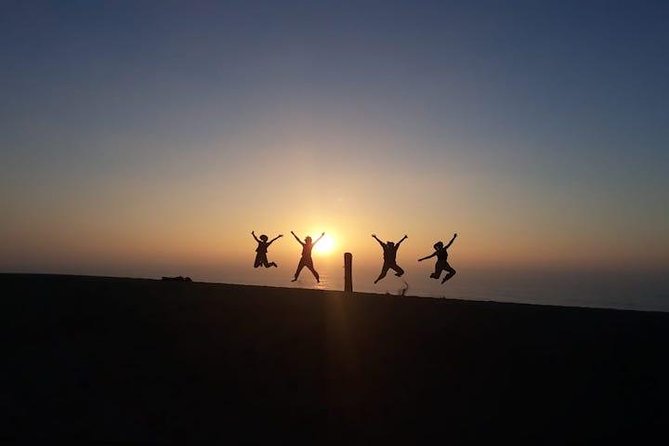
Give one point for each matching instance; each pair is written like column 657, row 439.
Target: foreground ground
column 140, row 361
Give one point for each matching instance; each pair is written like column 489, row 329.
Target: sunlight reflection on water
column 647, row 292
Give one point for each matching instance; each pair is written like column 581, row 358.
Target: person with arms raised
column 389, row 257
column 261, row 250
column 306, row 259
column 441, row 252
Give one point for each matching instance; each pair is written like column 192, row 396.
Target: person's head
column 263, row 238
column 307, row 240
column 390, row 244
column 438, row 245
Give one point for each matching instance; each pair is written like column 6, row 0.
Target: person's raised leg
column 272, row 264
column 384, row 271
column 399, row 272
column 315, row 273
column 451, row 273
column 264, row 262
column 299, row 269
column 438, row 268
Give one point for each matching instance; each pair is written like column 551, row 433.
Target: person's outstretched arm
column 427, row 257
column 297, row 238
column 254, row 236
column 452, row 240
column 377, row 239
column 402, row 239
column 318, row 239
column 274, row 239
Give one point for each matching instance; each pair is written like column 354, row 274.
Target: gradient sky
column 140, row 134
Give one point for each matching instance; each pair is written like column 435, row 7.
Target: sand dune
column 144, row 361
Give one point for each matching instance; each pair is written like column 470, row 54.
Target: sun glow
column 325, row 246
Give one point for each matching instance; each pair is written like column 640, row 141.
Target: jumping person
column 261, row 250
column 441, row 252
column 389, row 257
column 306, row 260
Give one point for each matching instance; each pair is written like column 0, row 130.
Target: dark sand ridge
column 143, row 361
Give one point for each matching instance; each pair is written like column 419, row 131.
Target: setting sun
column 325, row 245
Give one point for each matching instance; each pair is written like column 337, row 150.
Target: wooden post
column 348, row 272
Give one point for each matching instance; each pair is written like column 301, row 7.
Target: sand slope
column 142, row 361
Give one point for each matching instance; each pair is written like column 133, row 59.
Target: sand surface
column 127, row 361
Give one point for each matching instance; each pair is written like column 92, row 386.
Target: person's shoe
column 294, row 279
column 434, row 276
column 274, row 265
column 399, row 274
column 444, row 279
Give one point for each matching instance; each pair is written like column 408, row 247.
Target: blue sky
column 539, row 118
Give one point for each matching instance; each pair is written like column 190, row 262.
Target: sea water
column 637, row 291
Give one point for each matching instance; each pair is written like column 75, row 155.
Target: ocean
column 632, row 291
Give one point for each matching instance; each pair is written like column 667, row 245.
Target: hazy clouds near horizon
column 134, row 136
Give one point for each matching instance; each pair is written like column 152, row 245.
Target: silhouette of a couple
column 390, row 259
column 305, row 260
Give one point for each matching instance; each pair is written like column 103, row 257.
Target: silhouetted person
column 441, row 252
column 306, row 256
column 389, row 257
column 261, row 250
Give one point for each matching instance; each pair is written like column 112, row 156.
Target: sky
column 146, row 137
